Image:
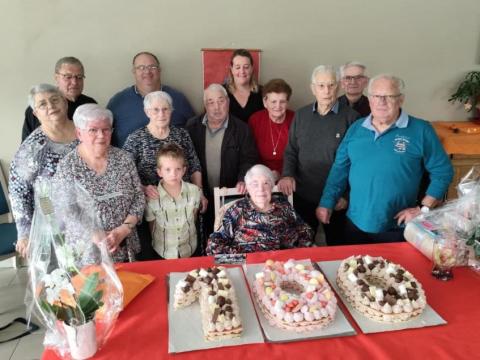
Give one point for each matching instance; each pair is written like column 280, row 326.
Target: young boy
column 172, row 216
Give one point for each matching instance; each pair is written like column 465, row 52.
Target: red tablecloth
column 141, row 331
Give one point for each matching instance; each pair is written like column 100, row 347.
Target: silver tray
column 185, row 331
column 427, row 318
column 339, row 327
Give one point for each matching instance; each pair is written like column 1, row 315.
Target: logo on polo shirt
column 400, row 144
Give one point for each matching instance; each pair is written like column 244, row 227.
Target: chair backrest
column 8, row 233
column 4, row 200
column 225, row 196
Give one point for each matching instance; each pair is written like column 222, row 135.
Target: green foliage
column 88, row 301
column 474, row 241
column 468, row 90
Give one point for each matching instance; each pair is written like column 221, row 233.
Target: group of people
column 151, row 165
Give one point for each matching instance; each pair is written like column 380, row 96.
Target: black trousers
column 146, row 253
column 333, row 231
column 353, row 235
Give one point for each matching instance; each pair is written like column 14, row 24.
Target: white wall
column 429, row 43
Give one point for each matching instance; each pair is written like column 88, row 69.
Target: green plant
column 468, row 91
column 474, row 241
column 75, row 306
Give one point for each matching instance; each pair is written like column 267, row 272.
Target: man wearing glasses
column 382, row 158
column 69, row 77
column 127, row 105
column 316, row 131
column 354, row 81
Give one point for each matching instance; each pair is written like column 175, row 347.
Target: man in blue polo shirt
column 127, row 105
column 383, row 158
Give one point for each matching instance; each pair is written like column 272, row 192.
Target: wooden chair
column 8, row 230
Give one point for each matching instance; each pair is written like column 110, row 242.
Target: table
column 461, row 140
column 141, row 331
column 459, row 137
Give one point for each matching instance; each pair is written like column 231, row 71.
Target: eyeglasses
column 387, row 98
column 69, row 77
column 148, row 68
column 97, row 131
column 53, row 101
column 353, row 78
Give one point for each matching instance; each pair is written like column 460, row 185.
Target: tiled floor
column 12, row 291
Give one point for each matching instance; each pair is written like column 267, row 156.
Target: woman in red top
column 270, row 126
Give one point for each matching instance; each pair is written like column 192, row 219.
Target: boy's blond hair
column 172, row 151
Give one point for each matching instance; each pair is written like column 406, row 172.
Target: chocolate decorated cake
column 218, row 303
column 379, row 289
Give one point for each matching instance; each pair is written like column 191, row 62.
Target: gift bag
column 73, row 287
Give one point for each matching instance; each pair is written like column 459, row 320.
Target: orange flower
column 78, row 281
column 67, row 299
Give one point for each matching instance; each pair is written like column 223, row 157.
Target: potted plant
column 74, row 304
column 73, row 285
column 468, row 93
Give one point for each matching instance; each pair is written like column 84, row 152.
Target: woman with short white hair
column 110, row 177
column 38, row 156
column 145, row 142
column 260, row 221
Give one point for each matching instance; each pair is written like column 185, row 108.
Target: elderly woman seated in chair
column 260, row 221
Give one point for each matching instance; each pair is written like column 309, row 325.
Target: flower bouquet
column 74, row 289
column 457, row 221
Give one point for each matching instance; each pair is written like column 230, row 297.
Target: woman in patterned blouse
column 109, row 175
column 145, row 143
column 39, row 154
column 259, row 222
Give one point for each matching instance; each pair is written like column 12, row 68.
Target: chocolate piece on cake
column 190, row 279
column 210, row 288
column 385, row 292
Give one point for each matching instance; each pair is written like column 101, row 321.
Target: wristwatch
column 129, row 225
column 425, row 209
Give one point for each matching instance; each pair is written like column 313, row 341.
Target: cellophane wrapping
column 72, row 279
column 457, row 219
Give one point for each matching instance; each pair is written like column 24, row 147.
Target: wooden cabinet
column 461, row 166
column 461, row 140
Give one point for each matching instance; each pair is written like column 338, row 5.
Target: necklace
column 275, row 143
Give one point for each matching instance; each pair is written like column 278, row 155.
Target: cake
column 379, row 289
column 218, row 304
column 294, row 296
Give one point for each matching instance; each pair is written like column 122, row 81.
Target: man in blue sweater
column 382, row 158
column 314, row 136
column 127, row 105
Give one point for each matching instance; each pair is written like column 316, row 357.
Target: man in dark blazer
column 224, row 145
